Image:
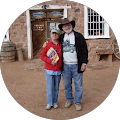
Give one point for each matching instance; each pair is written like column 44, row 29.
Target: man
column 75, row 58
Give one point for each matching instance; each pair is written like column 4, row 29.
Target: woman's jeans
column 70, row 71
column 52, row 86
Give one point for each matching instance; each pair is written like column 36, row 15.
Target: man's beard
column 68, row 31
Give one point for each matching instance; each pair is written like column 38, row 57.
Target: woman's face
column 54, row 36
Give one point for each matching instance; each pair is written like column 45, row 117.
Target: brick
column 22, row 19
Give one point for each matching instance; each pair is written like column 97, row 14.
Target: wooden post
column 109, row 58
column 97, row 58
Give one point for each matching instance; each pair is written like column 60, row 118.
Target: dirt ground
column 26, row 82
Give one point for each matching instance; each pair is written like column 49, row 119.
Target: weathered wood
column 109, row 58
column 107, row 52
column 104, row 51
column 11, row 53
column 97, row 58
column 8, row 57
column 38, row 37
column 8, row 60
column 10, row 48
column 8, row 51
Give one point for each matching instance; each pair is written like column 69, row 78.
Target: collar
column 69, row 34
column 54, row 43
column 76, row 34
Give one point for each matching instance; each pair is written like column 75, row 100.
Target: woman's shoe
column 55, row 105
column 48, row 107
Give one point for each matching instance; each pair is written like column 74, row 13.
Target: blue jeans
column 70, row 71
column 52, row 86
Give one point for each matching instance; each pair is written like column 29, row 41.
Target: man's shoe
column 48, row 107
column 55, row 105
column 78, row 107
column 68, row 104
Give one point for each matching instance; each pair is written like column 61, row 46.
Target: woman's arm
column 44, row 57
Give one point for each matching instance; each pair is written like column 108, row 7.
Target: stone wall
column 94, row 44
column 75, row 13
column 18, row 30
column 18, row 33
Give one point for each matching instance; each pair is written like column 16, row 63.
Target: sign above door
column 46, row 14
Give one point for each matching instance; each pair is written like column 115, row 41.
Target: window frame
column 28, row 19
column 106, row 27
column 47, row 29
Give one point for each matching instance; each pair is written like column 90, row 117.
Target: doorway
column 42, row 22
column 40, row 33
column 46, row 18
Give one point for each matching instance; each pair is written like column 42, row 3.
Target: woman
column 52, row 69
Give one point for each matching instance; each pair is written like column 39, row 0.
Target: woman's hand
column 53, row 62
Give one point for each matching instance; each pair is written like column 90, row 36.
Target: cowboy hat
column 66, row 21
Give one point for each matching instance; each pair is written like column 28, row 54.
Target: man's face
column 67, row 28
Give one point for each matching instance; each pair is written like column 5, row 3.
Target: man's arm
column 45, row 44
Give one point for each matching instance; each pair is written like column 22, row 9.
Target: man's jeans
column 52, row 86
column 70, row 71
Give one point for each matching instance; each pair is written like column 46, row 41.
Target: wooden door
column 38, row 37
column 40, row 33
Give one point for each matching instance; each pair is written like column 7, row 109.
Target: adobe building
column 32, row 28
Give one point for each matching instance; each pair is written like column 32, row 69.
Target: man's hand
column 45, row 44
column 83, row 67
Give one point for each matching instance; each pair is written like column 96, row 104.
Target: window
column 51, row 25
column 95, row 25
column 46, row 14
